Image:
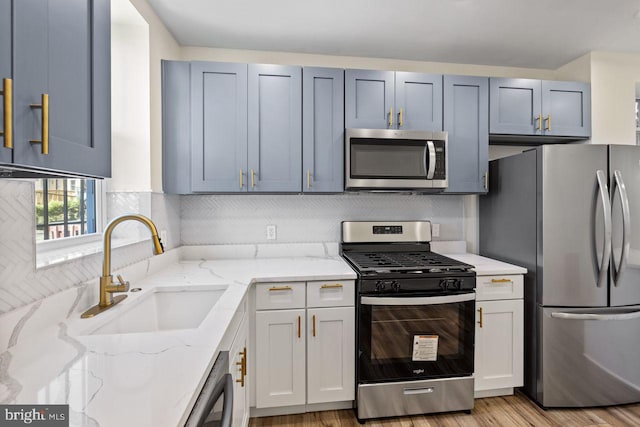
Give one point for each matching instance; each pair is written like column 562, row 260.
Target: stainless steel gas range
column 414, row 321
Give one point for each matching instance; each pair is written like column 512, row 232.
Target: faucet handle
column 123, row 283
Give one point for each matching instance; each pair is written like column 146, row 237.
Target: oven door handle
column 447, row 299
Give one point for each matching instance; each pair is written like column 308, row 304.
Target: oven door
column 383, row 159
column 415, row 337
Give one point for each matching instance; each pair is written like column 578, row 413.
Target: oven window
column 396, row 159
column 399, row 342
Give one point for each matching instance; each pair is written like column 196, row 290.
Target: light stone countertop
column 138, row 379
column 484, row 266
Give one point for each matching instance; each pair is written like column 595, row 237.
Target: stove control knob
column 395, row 286
column 444, row 284
column 381, row 286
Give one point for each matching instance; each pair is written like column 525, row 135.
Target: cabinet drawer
column 499, row 287
column 273, row 296
column 334, row 293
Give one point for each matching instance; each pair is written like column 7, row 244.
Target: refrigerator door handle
column 593, row 316
column 606, row 208
column 618, row 270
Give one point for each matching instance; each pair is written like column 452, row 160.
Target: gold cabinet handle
column 480, row 311
column 299, row 323
column 314, row 325
column 308, row 178
column 333, row 285
column 501, row 280
column 7, row 93
column 44, row 106
column 241, row 183
column 400, row 118
column 539, row 120
column 391, row 117
column 253, row 179
column 280, row 288
column 243, row 367
column 548, row 127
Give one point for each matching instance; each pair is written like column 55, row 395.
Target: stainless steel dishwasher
column 214, row 406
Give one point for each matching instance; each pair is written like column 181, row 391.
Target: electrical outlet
column 435, row 230
column 163, row 238
column 271, row 232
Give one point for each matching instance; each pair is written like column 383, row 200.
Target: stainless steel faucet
column 107, row 286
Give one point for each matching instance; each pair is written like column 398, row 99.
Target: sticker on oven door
column 425, row 348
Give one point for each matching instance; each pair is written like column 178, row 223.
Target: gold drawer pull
column 44, row 106
column 548, row 127
column 480, row 311
column 299, row 321
column 280, row 288
column 7, row 92
column 314, row 325
column 501, row 280
column 332, row 286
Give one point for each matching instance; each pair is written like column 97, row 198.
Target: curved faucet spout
column 108, row 231
column 107, row 287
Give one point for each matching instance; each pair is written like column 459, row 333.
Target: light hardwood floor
column 514, row 410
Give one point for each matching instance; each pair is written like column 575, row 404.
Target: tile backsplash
column 200, row 220
column 21, row 283
column 239, row 219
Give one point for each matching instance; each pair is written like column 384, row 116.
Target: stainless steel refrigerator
column 570, row 214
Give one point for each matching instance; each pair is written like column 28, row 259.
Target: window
column 65, row 208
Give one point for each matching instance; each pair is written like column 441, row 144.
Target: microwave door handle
column 431, row 150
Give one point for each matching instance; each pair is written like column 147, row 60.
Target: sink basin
column 165, row 309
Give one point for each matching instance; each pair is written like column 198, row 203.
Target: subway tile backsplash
column 241, row 219
column 199, row 220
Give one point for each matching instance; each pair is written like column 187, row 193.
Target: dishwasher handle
column 224, row 387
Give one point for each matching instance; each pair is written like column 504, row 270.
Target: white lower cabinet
column 238, row 371
column 280, row 358
column 499, row 349
column 330, row 357
column 305, row 352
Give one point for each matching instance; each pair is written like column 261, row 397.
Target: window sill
column 74, row 248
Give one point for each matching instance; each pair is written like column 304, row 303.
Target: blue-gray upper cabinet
column 6, row 75
column 466, row 119
column 274, row 128
column 515, row 106
column 393, row 100
column 62, row 49
column 418, row 101
column 535, row 107
column 566, row 108
column 323, row 130
column 369, row 99
column 218, row 127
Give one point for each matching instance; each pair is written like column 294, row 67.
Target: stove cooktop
column 425, row 261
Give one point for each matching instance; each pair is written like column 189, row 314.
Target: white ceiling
column 521, row 33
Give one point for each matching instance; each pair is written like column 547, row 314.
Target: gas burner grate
column 372, row 261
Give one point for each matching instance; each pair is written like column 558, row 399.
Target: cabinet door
column 499, row 351
column 219, row 127
column 331, row 355
column 369, row 99
column 280, row 358
column 515, row 106
column 275, row 128
column 62, row 48
column 418, row 101
column 176, row 127
column 466, row 118
column 6, row 37
column 238, row 359
column 323, row 130
column 566, row 108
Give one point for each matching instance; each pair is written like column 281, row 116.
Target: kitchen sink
column 165, row 309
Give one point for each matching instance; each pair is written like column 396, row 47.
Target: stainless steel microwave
column 388, row 159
